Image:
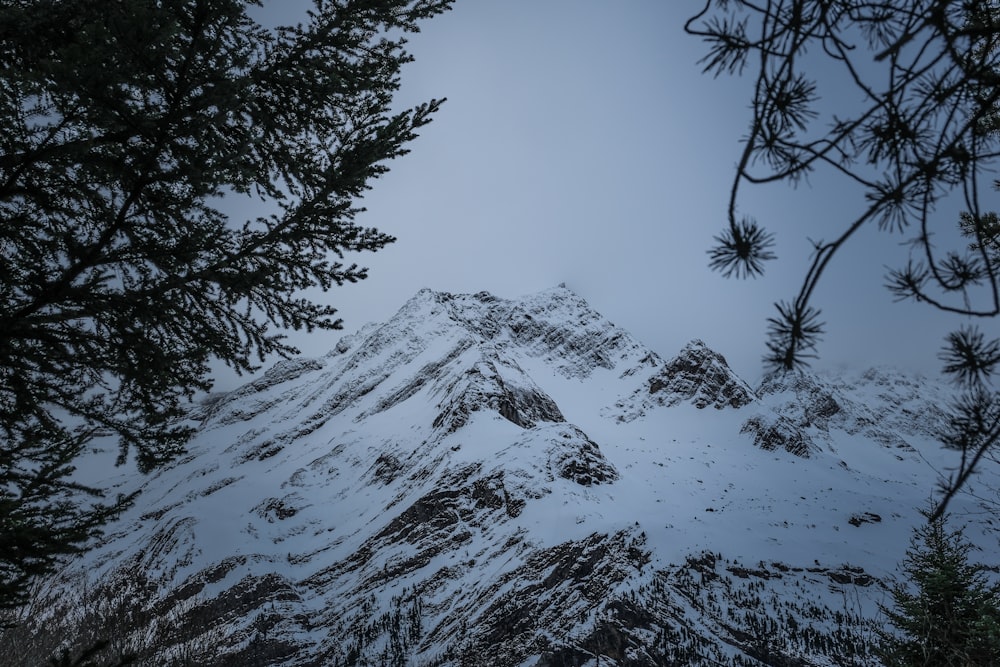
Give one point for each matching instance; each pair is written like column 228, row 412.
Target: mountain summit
column 511, row 482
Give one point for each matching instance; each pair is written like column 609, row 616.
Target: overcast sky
column 581, row 144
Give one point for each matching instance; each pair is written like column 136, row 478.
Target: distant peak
column 699, row 347
column 701, row 375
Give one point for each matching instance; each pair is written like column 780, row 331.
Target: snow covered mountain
column 482, row 481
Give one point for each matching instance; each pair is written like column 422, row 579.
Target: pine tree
column 925, row 75
column 126, row 126
column 946, row 613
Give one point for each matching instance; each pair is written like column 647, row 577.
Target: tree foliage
column 127, row 126
column 946, row 613
column 927, row 127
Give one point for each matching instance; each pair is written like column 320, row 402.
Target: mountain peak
column 555, row 325
column 698, row 375
column 702, row 376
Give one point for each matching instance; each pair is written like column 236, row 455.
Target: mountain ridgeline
column 512, row 483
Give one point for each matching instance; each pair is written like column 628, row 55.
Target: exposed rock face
column 701, row 376
column 698, row 375
column 499, row 387
column 484, row 481
column 778, row 432
column 806, row 410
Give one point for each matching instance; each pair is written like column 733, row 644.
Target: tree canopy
column 127, row 126
column 926, row 129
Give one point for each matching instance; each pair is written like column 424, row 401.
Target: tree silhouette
column 126, row 126
column 928, row 75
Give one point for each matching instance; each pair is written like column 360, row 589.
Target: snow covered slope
column 481, row 481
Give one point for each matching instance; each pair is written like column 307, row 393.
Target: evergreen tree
column 126, row 124
column 926, row 74
column 946, row 613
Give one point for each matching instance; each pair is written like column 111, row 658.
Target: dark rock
column 778, row 433
column 866, row 517
column 386, row 468
column 579, row 459
column 483, row 388
column 702, row 376
column 847, row 575
column 278, row 509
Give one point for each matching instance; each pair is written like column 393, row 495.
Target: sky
column 582, row 144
